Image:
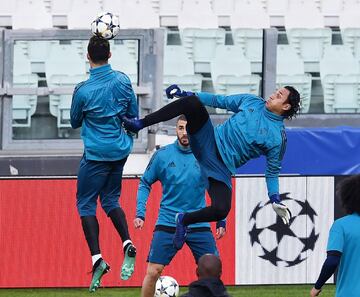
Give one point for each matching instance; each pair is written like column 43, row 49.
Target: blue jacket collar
column 100, row 70
column 185, row 150
column 273, row 116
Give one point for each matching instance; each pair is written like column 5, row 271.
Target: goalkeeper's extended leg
column 220, row 195
column 194, row 111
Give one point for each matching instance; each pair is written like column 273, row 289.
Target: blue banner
column 316, row 151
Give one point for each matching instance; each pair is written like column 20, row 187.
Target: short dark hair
column 294, row 101
column 98, row 49
column 348, row 190
column 209, row 265
column 181, row 118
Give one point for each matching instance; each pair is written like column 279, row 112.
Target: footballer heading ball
column 106, row 25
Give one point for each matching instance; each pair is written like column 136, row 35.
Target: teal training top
column 183, row 186
column 96, row 107
column 250, row 132
column 345, row 237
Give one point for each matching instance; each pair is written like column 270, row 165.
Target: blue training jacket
column 252, row 131
column 183, row 187
column 96, row 107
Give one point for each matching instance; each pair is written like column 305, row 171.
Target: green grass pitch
column 239, row 291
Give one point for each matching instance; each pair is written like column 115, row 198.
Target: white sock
column 95, row 258
column 126, row 242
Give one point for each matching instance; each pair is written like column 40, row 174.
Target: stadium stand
column 350, row 30
column 24, row 106
column 200, row 45
column 340, row 79
column 121, row 59
column 64, row 68
column 78, row 17
column 179, row 69
column 233, row 75
column 247, row 23
column 6, row 12
column 168, row 11
column 306, row 32
column 199, row 33
column 290, row 71
column 134, row 13
column 31, row 14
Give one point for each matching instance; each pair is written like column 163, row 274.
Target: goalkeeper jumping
column 255, row 129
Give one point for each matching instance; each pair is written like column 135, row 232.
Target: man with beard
column 183, row 190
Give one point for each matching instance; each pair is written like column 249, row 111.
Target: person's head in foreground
column 349, row 192
column 209, row 265
column 284, row 101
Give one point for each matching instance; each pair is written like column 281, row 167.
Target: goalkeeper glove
column 281, row 210
column 174, row 91
column 132, row 124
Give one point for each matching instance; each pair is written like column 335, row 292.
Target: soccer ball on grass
column 106, row 25
column 166, row 286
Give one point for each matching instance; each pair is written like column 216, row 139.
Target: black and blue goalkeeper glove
column 174, row 91
column 281, row 210
column 133, row 125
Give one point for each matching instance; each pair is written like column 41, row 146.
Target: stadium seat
column 331, row 11
column 82, row 13
column 168, row 11
column 200, row 45
column 290, row 71
column 179, row 69
column 350, row 30
column 197, row 14
column 6, row 11
column 23, row 106
column 231, row 72
column 341, row 80
column 134, row 14
column 306, row 33
column 31, row 14
column 247, row 23
column 122, row 60
column 351, row 5
column 223, row 7
column 64, row 68
column 38, row 51
column 59, row 10
column 276, row 10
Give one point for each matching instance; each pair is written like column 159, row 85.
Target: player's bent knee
column 154, row 271
column 193, row 102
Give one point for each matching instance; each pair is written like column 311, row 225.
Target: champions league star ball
column 106, row 25
column 281, row 245
column 166, row 286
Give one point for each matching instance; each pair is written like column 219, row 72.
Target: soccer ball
column 106, row 25
column 166, row 286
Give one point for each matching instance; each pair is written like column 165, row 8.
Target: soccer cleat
column 132, row 125
column 128, row 266
column 180, row 232
column 99, row 269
